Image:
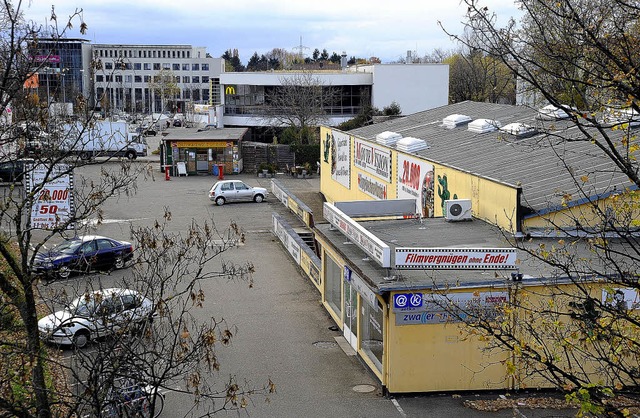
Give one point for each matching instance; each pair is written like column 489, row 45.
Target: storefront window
column 333, row 282
column 372, row 333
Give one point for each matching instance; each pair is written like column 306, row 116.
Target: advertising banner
column 53, row 202
column 364, row 239
column 455, row 258
column 415, row 181
column 372, row 187
column 453, row 307
column 337, row 152
column 372, row 158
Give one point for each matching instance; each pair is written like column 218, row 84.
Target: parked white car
column 236, row 190
column 95, row 314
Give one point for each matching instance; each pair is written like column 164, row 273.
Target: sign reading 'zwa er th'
column 452, row 258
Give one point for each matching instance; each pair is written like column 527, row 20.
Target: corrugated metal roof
column 532, row 163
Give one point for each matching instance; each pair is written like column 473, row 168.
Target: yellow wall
column 493, row 202
column 624, row 207
column 436, row 357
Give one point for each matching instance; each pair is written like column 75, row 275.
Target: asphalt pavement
column 283, row 334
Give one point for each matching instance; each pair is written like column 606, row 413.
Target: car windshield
column 83, row 306
column 67, row 247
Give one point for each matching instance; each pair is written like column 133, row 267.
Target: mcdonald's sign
column 230, row 90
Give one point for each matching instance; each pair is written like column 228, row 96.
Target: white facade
column 125, row 72
column 414, row 87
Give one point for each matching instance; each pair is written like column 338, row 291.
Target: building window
column 333, row 283
column 186, row 79
column 147, row 78
column 176, row 79
column 205, row 78
column 205, row 67
column 156, row 66
column 147, row 66
column 185, row 67
column 108, row 65
column 372, row 332
column 138, row 79
column 99, row 78
column 195, row 67
column 137, row 66
column 128, row 78
column 176, row 67
column 195, row 79
column 166, row 66
column 118, row 79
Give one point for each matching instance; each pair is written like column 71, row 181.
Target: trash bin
column 215, row 170
column 220, row 171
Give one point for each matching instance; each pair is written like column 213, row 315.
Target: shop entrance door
column 202, row 163
column 350, row 329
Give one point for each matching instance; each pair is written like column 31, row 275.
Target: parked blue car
column 83, row 254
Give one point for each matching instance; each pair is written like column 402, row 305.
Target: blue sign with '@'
column 407, row 300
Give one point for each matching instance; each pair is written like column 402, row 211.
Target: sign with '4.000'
column 53, row 195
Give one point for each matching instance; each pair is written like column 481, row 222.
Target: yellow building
column 418, row 221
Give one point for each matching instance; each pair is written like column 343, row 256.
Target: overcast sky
column 385, row 29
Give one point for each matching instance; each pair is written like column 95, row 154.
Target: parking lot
column 283, row 332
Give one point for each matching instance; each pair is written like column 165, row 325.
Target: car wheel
column 258, row 198
column 64, row 272
column 119, row 262
column 81, row 339
column 130, row 155
column 220, row 201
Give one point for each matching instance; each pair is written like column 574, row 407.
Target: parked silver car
column 236, row 190
column 95, row 314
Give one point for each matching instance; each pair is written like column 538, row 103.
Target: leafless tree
column 302, row 102
column 582, row 58
column 171, row 345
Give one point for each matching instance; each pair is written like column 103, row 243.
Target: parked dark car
column 12, row 171
column 83, row 254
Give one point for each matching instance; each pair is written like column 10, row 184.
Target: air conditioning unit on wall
column 457, row 210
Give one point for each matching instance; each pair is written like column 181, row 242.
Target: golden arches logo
column 230, row 90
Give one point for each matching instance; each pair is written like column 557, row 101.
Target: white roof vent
column 482, row 126
column 388, row 138
column 551, row 112
column 621, row 116
column 409, row 144
column 519, row 130
column 455, row 120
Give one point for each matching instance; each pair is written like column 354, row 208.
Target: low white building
column 414, row 87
